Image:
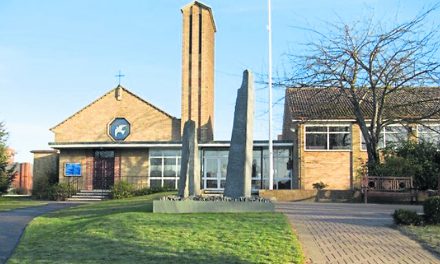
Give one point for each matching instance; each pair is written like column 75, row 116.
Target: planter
column 191, row 206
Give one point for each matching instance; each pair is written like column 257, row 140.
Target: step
column 72, row 199
column 94, row 191
column 90, row 196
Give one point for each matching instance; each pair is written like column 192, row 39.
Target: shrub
column 431, row 208
column 7, row 175
column 61, row 191
column 19, row 190
column 42, row 186
column 319, row 185
column 406, row 217
column 147, row 191
column 418, row 160
column 121, row 190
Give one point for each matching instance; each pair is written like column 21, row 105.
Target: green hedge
column 431, row 208
column 407, row 217
column 61, row 191
column 124, row 189
column 121, row 190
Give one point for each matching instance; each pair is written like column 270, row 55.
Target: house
column 328, row 143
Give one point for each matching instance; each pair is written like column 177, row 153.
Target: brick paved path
column 353, row 233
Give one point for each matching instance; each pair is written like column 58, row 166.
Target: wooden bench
column 388, row 186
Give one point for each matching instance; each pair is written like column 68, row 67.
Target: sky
column 58, row 56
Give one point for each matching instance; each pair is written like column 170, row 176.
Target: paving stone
column 353, row 233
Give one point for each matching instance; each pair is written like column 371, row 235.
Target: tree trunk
column 438, row 185
column 373, row 156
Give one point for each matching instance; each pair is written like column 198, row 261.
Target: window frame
column 216, row 155
column 383, row 133
column 163, row 178
column 427, row 125
column 327, row 133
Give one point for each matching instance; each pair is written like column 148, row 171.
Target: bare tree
column 370, row 66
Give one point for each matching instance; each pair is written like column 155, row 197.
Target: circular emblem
column 119, row 129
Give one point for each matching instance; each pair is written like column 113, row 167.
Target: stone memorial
column 189, row 182
column 239, row 171
column 237, row 195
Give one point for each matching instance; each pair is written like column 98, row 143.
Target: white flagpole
column 269, row 29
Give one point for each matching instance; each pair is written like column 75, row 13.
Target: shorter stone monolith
column 189, row 182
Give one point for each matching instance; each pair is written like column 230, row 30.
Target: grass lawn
column 10, row 203
column 126, row 231
column 429, row 235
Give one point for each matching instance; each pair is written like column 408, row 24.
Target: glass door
column 215, row 163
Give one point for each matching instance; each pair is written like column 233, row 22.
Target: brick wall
column 131, row 165
column 91, row 123
column 338, row 169
column 82, row 156
column 45, row 164
column 134, row 166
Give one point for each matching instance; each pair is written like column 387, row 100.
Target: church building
column 122, row 137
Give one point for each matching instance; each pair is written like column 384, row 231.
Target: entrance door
column 215, row 163
column 104, row 169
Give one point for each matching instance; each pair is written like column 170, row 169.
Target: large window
column 328, row 137
column 429, row 133
column 164, row 168
column 215, row 164
column 390, row 135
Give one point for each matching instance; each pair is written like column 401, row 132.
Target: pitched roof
column 109, row 92
column 332, row 103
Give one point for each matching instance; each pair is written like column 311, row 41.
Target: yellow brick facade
column 135, row 167
column 75, row 156
column 148, row 123
column 45, row 164
column 90, row 125
column 131, row 165
column 337, row 168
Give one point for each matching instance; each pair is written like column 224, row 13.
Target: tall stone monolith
column 239, row 171
column 189, row 182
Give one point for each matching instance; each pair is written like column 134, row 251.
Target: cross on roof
column 119, row 77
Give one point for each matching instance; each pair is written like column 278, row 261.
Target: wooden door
column 104, row 169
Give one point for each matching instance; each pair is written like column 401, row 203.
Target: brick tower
column 198, row 68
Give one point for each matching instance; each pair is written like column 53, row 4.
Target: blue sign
column 72, row 169
column 119, row 129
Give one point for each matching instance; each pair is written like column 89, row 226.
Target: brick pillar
column 26, row 176
column 89, row 170
column 117, row 166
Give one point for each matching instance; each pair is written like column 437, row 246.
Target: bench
column 388, row 186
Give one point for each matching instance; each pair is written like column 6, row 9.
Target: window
column 215, row 164
column 429, row 133
column 393, row 134
column 164, row 168
column 328, row 137
column 257, row 177
column 282, row 175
